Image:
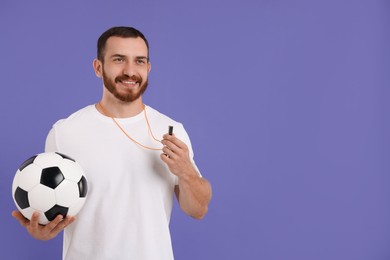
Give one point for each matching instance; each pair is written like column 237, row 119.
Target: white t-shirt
column 130, row 189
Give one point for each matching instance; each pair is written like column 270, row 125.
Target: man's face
column 125, row 68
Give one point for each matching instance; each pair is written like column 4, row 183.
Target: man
column 132, row 175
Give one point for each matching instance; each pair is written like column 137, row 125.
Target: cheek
column 110, row 73
column 145, row 74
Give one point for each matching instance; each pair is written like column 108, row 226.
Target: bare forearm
column 194, row 194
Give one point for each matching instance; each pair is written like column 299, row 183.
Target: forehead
column 126, row 46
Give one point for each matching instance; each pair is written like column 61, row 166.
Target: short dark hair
column 119, row 31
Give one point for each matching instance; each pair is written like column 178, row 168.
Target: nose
column 129, row 69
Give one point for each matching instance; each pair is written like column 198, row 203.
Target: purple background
column 286, row 102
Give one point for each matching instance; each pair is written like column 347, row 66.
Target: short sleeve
column 51, row 144
column 182, row 133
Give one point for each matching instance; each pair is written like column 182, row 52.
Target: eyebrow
column 117, row 56
column 124, row 56
column 142, row 58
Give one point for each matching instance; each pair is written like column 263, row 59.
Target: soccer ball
column 50, row 183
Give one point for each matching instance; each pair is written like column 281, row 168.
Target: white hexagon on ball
column 71, row 170
column 46, row 160
column 67, row 193
column 28, row 177
column 76, row 207
column 42, row 198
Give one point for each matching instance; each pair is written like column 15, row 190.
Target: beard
column 129, row 96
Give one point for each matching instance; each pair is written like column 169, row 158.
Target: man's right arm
column 52, row 229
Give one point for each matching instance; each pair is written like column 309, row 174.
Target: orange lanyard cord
column 150, row 129
column 128, row 136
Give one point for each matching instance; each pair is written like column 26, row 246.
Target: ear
column 149, row 67
column 98, row 68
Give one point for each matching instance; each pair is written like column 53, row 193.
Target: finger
column 63, row 224
column 168, row 152
column 172, row 146
column 176, row 141
column 34, row 220
column 53, row 224
column 165, row 158
column 19, row 217
column 168, row 136
column 172, row 139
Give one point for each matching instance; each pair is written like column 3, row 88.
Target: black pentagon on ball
column 83, row 187
column 21, row 198
column 51, row 177
column 52, row 213
column 65, row 156
column 27, row 162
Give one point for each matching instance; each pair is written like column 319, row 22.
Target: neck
column 120, row 109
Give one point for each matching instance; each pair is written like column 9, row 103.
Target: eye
column 141, row 61
column 119, row 60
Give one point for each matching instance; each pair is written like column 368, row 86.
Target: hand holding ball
column 50, row 183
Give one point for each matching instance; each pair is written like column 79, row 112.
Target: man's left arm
column 193, row 191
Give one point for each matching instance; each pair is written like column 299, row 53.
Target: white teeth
column 129, row 82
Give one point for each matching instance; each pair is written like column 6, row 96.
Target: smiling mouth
column 132, row 83
column 129, row 83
